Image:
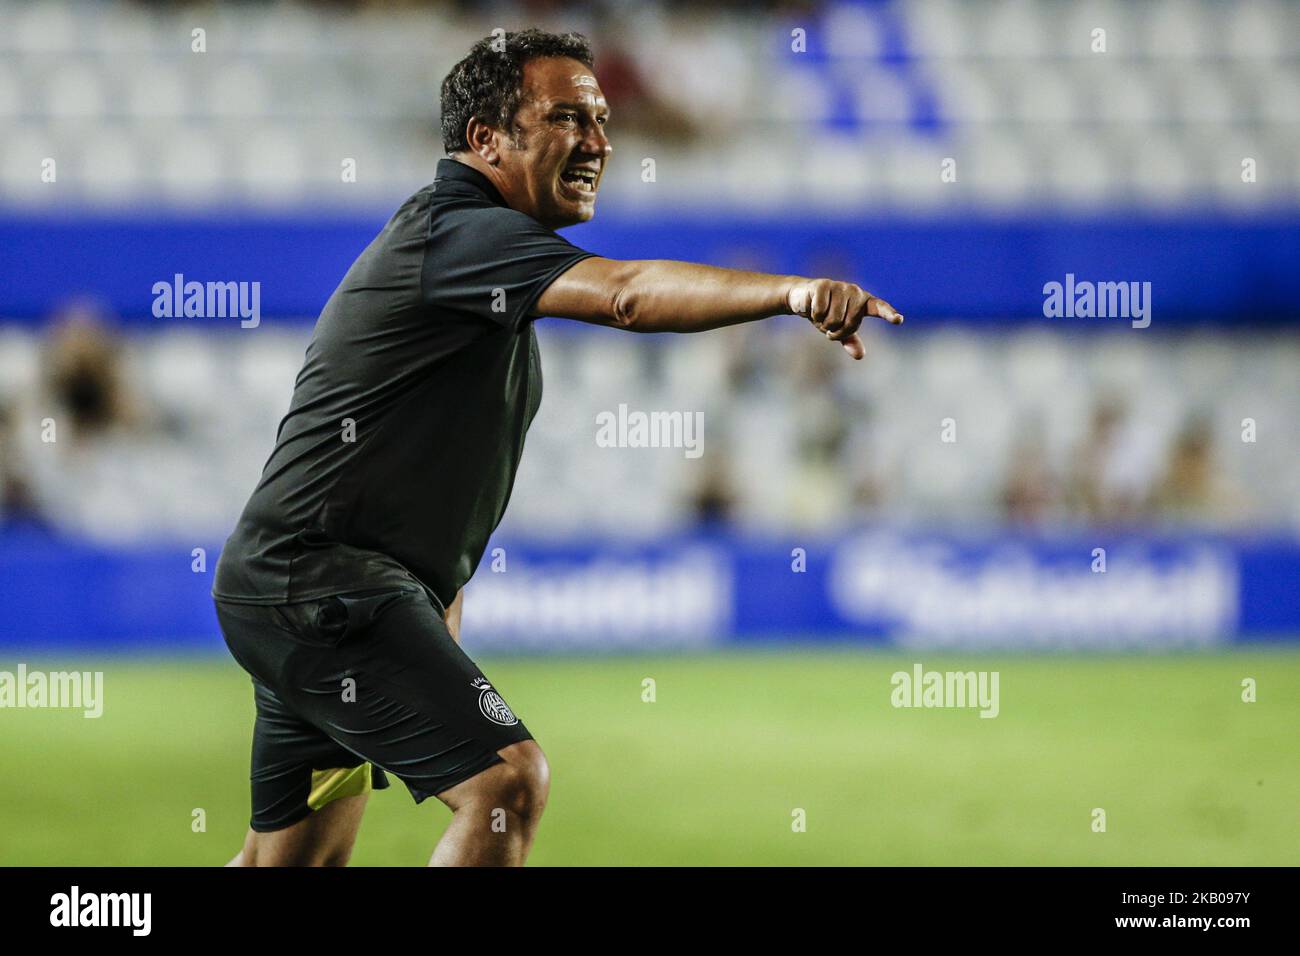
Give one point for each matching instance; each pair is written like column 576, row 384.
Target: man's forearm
column 660, row 295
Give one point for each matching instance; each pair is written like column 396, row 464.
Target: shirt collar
column 454, row 169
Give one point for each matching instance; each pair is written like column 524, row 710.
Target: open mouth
column 581, row 180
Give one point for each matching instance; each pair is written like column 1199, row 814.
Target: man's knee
column 519, row 784
column 524, row 779
column 532, row 772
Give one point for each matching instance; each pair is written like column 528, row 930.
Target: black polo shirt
column 407, row 423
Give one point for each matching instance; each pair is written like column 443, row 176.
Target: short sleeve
column 492, row 262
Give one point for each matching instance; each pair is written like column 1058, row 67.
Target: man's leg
column 426, row 713
column 308, row 792
column 377, row 676
column 494, row 814
column 324, row 838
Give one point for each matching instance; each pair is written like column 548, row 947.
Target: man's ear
column 483, row 139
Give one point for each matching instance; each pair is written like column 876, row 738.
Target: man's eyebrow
column 602, row 107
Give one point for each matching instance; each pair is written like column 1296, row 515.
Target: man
column 340, row 589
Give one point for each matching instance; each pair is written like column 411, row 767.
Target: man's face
column 553, row 171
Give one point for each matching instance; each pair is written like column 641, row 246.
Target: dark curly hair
column 488, row 83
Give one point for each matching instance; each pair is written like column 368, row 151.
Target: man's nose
column 596, row 143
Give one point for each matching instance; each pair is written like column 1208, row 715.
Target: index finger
column 879, row 307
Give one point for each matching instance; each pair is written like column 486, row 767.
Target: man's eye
column 567, row 117
column 602, row 120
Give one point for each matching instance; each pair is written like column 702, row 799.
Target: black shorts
column 351, row 686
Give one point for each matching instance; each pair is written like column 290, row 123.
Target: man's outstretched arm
column 660, row 295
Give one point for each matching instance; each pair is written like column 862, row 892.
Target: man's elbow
column 626, row 310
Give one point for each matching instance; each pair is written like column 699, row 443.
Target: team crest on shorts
column 494, row 708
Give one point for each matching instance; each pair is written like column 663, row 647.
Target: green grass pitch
column 712, row 771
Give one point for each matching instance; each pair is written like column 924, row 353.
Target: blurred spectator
column 1029, row 492
column 18, row 504
column 1114, row 467
column 1090, row 459
column 48, row 439
column 820, row 491
column 1192, row 489
column 84, row 376
column 91, row 462
column 713, row 499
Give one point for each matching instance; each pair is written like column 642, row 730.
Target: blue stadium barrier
column 873, row 586
column 976, row 268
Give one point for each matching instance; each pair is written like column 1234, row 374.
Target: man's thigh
column 363, row 679
column 323, row 838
